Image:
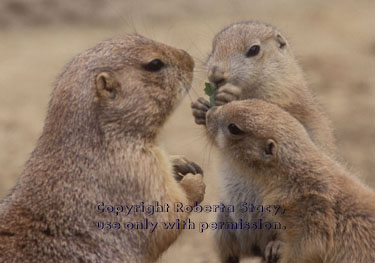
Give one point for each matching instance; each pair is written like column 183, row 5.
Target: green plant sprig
column 210, row 90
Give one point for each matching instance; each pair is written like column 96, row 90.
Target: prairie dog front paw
column 190, row 176
column 182, row 166
column 273, row 251
column 226, row 94
column 194, row 187
column 200, row 108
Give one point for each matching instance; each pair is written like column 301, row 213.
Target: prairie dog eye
column 154, row 66
column 233, row 129
column 253, row 51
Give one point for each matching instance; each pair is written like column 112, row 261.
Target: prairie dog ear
column 281, row 41
column 270, row 149
column 106, row 85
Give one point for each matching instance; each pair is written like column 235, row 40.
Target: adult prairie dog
column 98, row 146
column 254, row 60
column 329, row 215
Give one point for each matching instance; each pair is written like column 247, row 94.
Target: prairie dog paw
column 200, row 108
column 273, row 251
column 182, row 166
column 194, row 187
column 227, row 94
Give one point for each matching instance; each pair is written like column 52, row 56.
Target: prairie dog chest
column 237, row 187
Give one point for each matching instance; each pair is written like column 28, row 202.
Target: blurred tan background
column 333, row 40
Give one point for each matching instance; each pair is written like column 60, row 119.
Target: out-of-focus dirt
column 333, row 40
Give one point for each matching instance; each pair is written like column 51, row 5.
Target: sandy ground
column 333, row 40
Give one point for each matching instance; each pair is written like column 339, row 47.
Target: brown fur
column 273, row 75
column 98, row 145
column 330, row 215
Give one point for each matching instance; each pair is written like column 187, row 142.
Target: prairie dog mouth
column 221, row 83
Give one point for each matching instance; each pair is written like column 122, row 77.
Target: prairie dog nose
column 185, row 59
column 210, row 115
column 217, row 76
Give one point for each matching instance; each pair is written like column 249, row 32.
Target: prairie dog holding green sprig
column 254, row 60
column 99, row 146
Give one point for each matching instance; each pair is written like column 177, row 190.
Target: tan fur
column 274, row 76
column 330, row 215
column 99, row 145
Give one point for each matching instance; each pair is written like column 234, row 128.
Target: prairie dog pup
column 330, row 215
column 257, row 61
column 98, row 146
column 254, row 60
